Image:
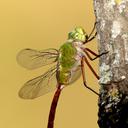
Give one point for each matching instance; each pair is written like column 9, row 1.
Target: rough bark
column 112, row 29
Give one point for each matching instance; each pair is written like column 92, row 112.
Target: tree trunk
column 112, row 29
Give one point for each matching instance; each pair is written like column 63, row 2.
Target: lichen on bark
column 112, row 29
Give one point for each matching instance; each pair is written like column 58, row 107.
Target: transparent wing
column 31, row 59
column 39, row 85
column 75, row 75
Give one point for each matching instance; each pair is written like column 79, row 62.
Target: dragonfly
column 69, row 64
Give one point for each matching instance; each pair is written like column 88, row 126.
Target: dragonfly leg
column 53, row 107
column 92, row 30
column 84, row 78
column 88, row 37
column 93, row 71
column 86, row 50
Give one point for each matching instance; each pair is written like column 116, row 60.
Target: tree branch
column 112, row 33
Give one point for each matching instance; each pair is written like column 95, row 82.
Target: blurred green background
column 40, row 25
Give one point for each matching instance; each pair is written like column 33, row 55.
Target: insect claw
column 100, row 55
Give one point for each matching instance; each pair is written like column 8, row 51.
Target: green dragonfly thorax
column 78, row 34
column 68, row 61
column 67, row 54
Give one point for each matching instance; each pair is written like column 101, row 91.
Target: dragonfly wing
column 32, row 59
column 75, row 74
column 39, row 85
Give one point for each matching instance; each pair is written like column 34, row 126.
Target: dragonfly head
column 77, row 34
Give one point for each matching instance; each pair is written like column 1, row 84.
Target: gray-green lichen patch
column 116, row 29
column 105, row 74
column 109, row 4
column 116, row 60
column 109, row 8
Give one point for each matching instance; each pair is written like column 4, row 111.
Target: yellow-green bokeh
column 42, row 24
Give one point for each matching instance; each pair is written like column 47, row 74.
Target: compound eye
column 77, row 35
